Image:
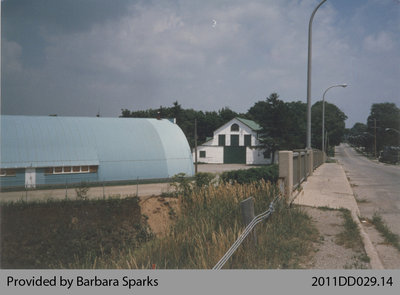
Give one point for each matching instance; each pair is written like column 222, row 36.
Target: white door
column 30, row 178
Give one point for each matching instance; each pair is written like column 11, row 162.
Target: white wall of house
column 255, row 156
column 213, row 154
column 226, row 130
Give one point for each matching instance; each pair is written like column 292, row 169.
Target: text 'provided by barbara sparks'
column 81, row 282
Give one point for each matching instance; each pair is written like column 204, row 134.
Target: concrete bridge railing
column 295, row 166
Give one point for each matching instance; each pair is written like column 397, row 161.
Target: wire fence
column 256, row 220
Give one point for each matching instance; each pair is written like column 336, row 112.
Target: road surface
column 376, row 187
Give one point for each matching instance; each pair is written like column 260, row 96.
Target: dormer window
column 235, row 127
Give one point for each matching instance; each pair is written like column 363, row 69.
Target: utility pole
column 195, row 146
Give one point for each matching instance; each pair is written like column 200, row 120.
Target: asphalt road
column 376, row 185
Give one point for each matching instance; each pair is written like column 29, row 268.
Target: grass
column 390, row 237
column 207, row 225
column 112, row 233
column 350, row 236
column 53, row 234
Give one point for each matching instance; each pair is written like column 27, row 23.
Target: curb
column 375, row 261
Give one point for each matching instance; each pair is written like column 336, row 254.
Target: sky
column 84, row 57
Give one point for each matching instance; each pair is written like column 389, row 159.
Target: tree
column 272, row 115
column 384, row 117
column 334, row 124
column 207, row 122
column 283, row 123
column 358, row 135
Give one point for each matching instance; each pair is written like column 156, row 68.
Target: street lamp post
column 323, row 113
column 309, row 76
column 395, row 130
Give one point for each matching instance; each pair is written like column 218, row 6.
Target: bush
column 203, row 179
column 267, row 173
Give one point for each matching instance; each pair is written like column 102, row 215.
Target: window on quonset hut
column 8, row 172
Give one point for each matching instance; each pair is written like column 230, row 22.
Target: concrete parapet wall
column 286, row 171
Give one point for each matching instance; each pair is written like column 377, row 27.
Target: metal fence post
column 137, row 187
column 247, row 209
column 66, row 189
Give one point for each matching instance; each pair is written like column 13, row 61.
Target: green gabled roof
column 253, row 125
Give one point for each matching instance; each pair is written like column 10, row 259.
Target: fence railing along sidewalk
column 296, row 166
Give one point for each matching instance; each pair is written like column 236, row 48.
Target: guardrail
column 245, row 233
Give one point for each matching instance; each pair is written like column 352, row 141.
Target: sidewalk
column 329, row 187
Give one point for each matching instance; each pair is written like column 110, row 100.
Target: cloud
column 146, row 54
column 379, row 42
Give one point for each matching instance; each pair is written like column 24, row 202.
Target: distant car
column 390, row 154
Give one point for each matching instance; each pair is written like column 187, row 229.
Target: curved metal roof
column 124, row 148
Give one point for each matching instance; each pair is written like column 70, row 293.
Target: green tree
column 283, row 123
column 358, row 135
column 386, row 117
column 206, row 122
column 334, row 124
column 272, row 116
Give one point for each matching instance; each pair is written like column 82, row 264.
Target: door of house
column 234, row 155
column 30, row 177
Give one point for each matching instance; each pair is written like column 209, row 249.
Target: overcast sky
column 80, row 57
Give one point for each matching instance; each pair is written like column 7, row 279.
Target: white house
column 236, row 142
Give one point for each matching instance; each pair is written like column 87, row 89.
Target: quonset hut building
column 47, row 151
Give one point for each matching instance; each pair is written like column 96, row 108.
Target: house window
column 235, row 127
column 202, row 154
column 247, row 140
column 221, row 140
column 7, row 172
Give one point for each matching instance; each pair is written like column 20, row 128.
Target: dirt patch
column 160, row 213
column 328, row 254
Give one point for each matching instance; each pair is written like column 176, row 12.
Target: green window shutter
column 221, row 140
column 234, row 140
column 247, row 140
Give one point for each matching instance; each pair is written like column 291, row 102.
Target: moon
column 214, row 23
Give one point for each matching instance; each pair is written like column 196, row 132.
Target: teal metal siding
column 45, row 142
column 123, row 148
column 17, row 180
column 51, row 179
